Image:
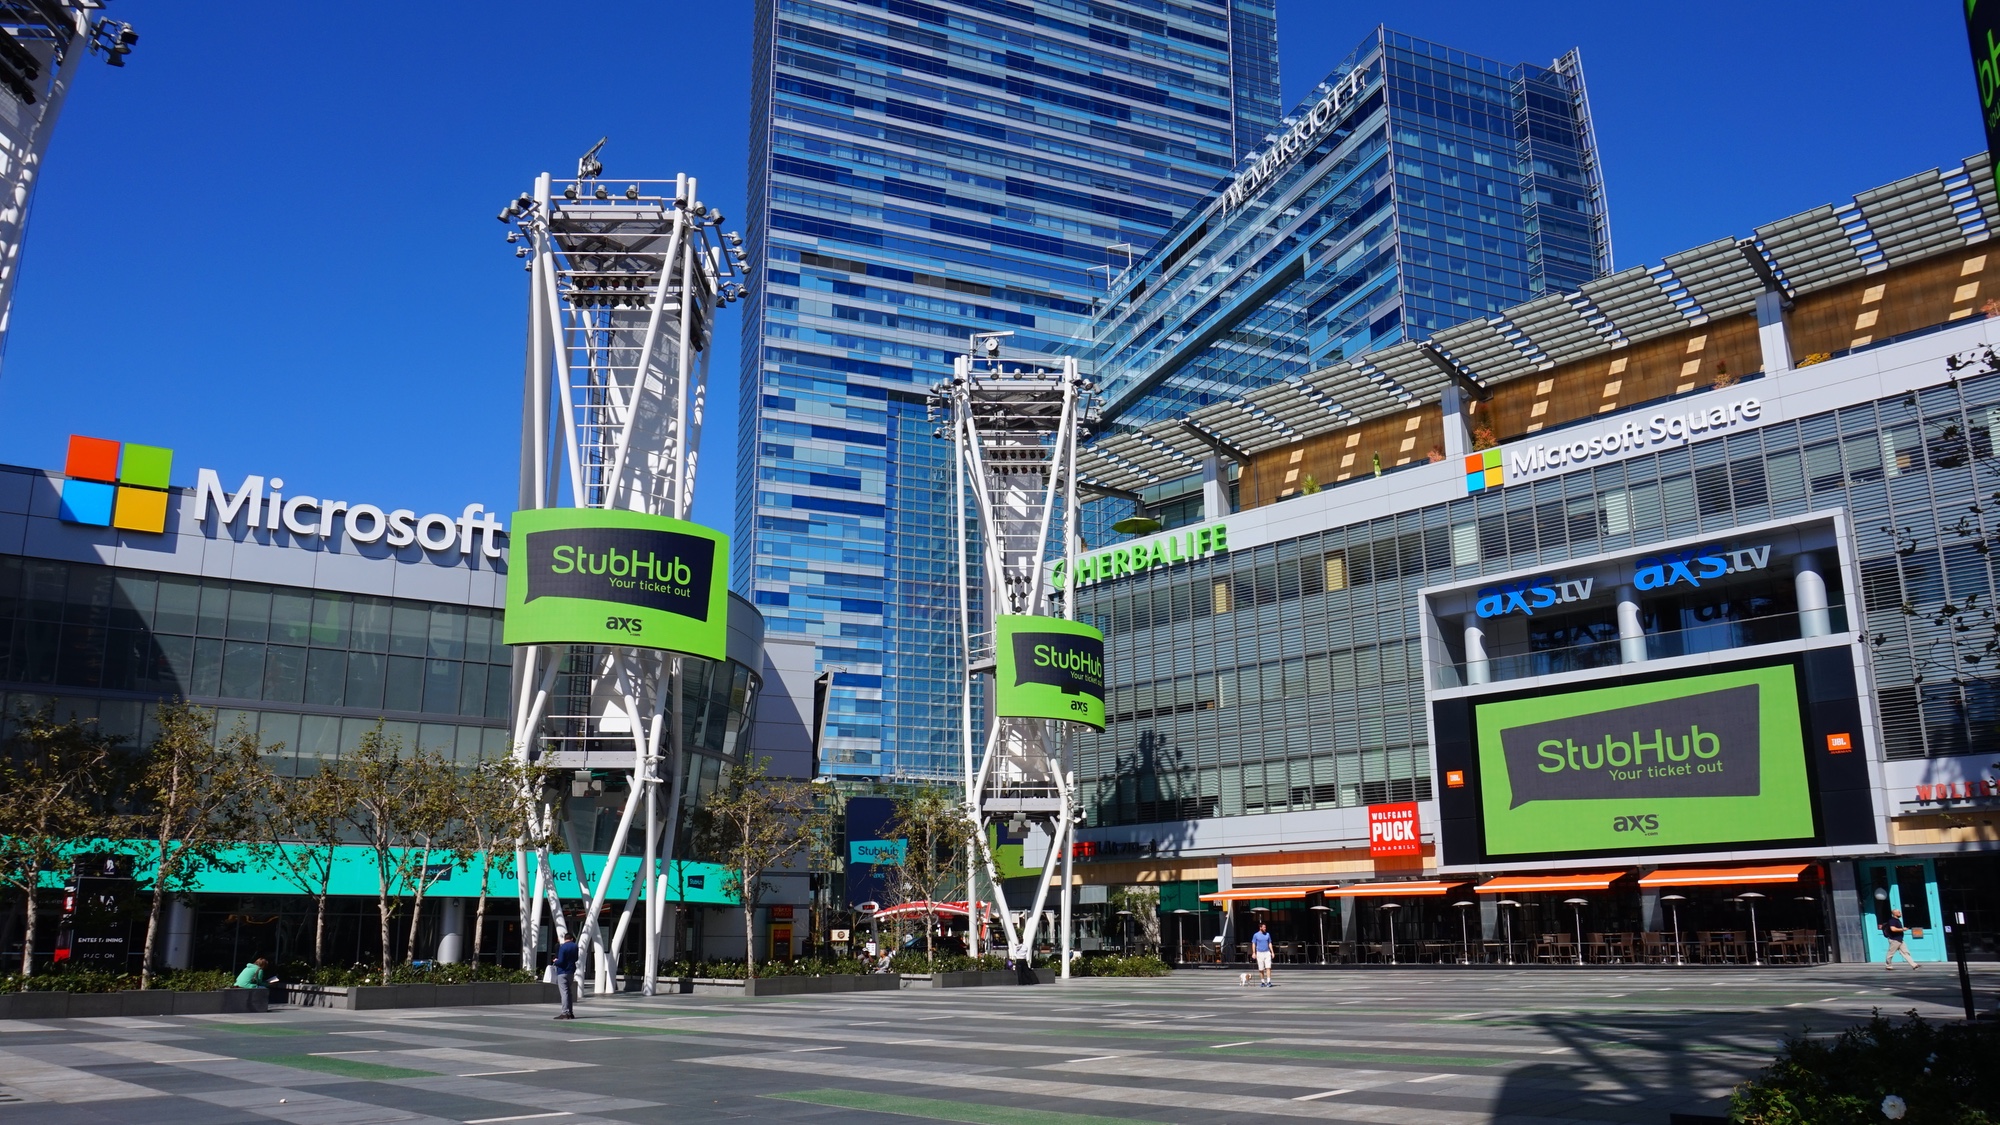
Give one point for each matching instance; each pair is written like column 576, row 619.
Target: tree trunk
column 416, row 916
column 33, row 914
column 382, row 907
column 749, row 930
column 930, row 928
column 161, row 875
column 479, row 916
column 319, row 930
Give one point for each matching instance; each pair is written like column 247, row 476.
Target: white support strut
column 1014, row 427
column 625, row 281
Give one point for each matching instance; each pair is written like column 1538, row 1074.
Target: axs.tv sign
column 592, row 576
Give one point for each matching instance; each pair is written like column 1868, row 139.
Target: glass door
column 1911, row 887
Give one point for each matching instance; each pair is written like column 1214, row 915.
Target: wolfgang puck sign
column 1049, row 668
column 592, row 576
column 1394, row 830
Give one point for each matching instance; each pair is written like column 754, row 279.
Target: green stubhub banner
column 1692, row 761
column 1050, row 668
column 591, row 576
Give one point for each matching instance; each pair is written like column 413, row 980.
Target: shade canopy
column 1404, row 887
column 941, row 909
column 1548, row 884
column 1723, row 876
column 1251, row 894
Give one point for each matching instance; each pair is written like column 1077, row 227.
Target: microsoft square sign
column 595, row 576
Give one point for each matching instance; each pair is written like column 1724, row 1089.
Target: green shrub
column 1112, row 965
column 67, row 978
column 804, row 967
column 914, row 961
column 1945, row 1075
column 347, row 976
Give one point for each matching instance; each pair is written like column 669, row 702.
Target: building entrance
column 1908, row 885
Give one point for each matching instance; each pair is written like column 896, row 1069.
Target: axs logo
column 1646, row 824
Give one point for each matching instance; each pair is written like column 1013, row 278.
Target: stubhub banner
column 594, row 576
column 1049, row 668
column 1678, row 761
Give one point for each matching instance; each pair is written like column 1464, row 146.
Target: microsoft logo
column 116, row 484
column 1484, row 470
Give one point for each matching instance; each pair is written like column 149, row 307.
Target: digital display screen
column 1692, row 761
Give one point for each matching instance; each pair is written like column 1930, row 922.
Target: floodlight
column 631, row 191
column 601, row 193
column 569, row 191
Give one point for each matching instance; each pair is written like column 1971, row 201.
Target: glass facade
column 312, row 669
column 920, row 173
column 1288, row 676
column 1442, row 187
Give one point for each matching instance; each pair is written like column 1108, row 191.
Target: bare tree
column 933, row 822
column 386, row 781
column 755, row 823
column 432, row 824
column 53, row 779
column 193, row 798
column 496, row 802
column 299, row 829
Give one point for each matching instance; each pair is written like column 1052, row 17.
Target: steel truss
column 625, row 282
column 1014, row 426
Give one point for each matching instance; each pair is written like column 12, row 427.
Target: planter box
column 375, row 997
column 153, row 1002
column 799, row 986
column 976, row 978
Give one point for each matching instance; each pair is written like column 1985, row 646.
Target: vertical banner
column 1982, row 30
column 594, row 576
column 1050, row 668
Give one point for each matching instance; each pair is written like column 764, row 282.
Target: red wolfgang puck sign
column 1394, row 830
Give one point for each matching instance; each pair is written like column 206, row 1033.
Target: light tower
column 610, row 592
column 1014, row 425
column 41, row 45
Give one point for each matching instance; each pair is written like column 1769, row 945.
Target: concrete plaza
column 1451, row 1046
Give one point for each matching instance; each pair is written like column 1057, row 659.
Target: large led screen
column 1692, row 761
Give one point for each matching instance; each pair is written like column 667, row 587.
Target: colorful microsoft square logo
column 116, row 484
column 1484, row 470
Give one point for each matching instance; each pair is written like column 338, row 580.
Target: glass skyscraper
column 919, row 173
column 1417, row 187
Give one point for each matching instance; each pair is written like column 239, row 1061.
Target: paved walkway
column 1445, row 1046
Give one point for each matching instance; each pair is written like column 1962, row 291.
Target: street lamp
column 1180, row 936
column 1751, row 897
column 1322, row 910
column 1507, row 922
column 1464, row 935
column 1576, row 906
column 1125, row 932
column 1674, row 907
column 1391, row 907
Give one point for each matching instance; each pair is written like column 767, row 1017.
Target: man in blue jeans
column 1260, row 948
column 565, row 966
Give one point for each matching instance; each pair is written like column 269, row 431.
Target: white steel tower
column 625, row 281
column 42, row 42
column 1014, row 426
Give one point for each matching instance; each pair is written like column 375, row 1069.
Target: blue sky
column 269, row 242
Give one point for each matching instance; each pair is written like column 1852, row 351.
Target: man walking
column 1894, row 930
column 565, row 966
column 1260, row 947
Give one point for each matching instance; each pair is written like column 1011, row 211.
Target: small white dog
column 1243, row 978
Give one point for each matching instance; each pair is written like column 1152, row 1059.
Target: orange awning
column 1405, row 887
column 1242, row 894
column 1723, row 876
column 1556, row 884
